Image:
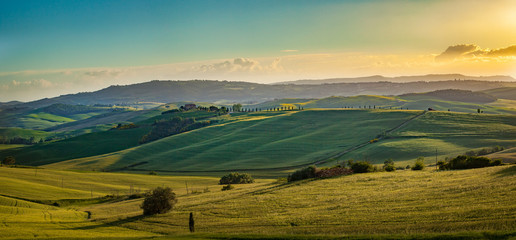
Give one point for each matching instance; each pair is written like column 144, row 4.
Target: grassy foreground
column 468, row 204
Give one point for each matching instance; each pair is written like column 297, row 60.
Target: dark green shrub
column 388, row 165
column 9, row 160
column 442, row 165
column 419, row 164
column 361, row 167
column 467, row 162
column 389, row 168
column 136, row 195
column 167, row 127
column 496, row 162
column 305, row 173
column 160, row 200
column 236, row 178
column 227, row 187
column 478, row 162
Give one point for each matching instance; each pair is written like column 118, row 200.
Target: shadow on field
column 112, row 223
column 507, row 172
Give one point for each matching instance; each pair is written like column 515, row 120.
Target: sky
column 49, row 48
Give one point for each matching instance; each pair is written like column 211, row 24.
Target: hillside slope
column 504, row 93
column 466, row 204
column 245, row 92
column 261, row 140
column 279, row 142
column 442, row 100
column 420, row 78
column 443, row 133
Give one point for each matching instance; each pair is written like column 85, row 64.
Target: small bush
column 361, row 167
column 227, row 187
column 442, row 165
column 236, row 178
column 9, row 160
column 388, row 165
column 136, row 195
column 419, row 164
column 389, row 168
column 160, row 200
column 305, row 173
column 496, row 162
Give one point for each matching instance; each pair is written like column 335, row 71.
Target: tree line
column 167, row 127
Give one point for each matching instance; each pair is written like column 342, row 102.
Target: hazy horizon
column 53, row 48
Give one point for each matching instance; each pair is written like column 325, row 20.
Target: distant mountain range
column 244, row 92
column 379, row 78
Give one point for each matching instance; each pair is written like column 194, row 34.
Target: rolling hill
column 245, row 92
column 452, row 95
column 51, row 116
column 272, row 142
column 475, row 204
column 423, row 78
column 95, row 143
column 504, row 93
column 443, row 100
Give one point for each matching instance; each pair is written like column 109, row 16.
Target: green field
column 82, row 146
column 270, row 143
column 8, row 133
column 450, row 134
column 468, row 204
column 412, row 102
column 463, row 204
column 93, row 143
column 261, row 140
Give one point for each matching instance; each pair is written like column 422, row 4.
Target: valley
column 82, row 171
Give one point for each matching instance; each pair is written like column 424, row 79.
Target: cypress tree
column 191, row 223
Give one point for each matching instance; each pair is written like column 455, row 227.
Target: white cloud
column 289, row 50
column 237, row 65
column 476, row 53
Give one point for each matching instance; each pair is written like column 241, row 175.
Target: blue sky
column 123, row 33
column 63, row 44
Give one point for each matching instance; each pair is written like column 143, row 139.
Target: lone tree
column 9, row 160
column 237, row 107
column 191, row 223
column 160, row 200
